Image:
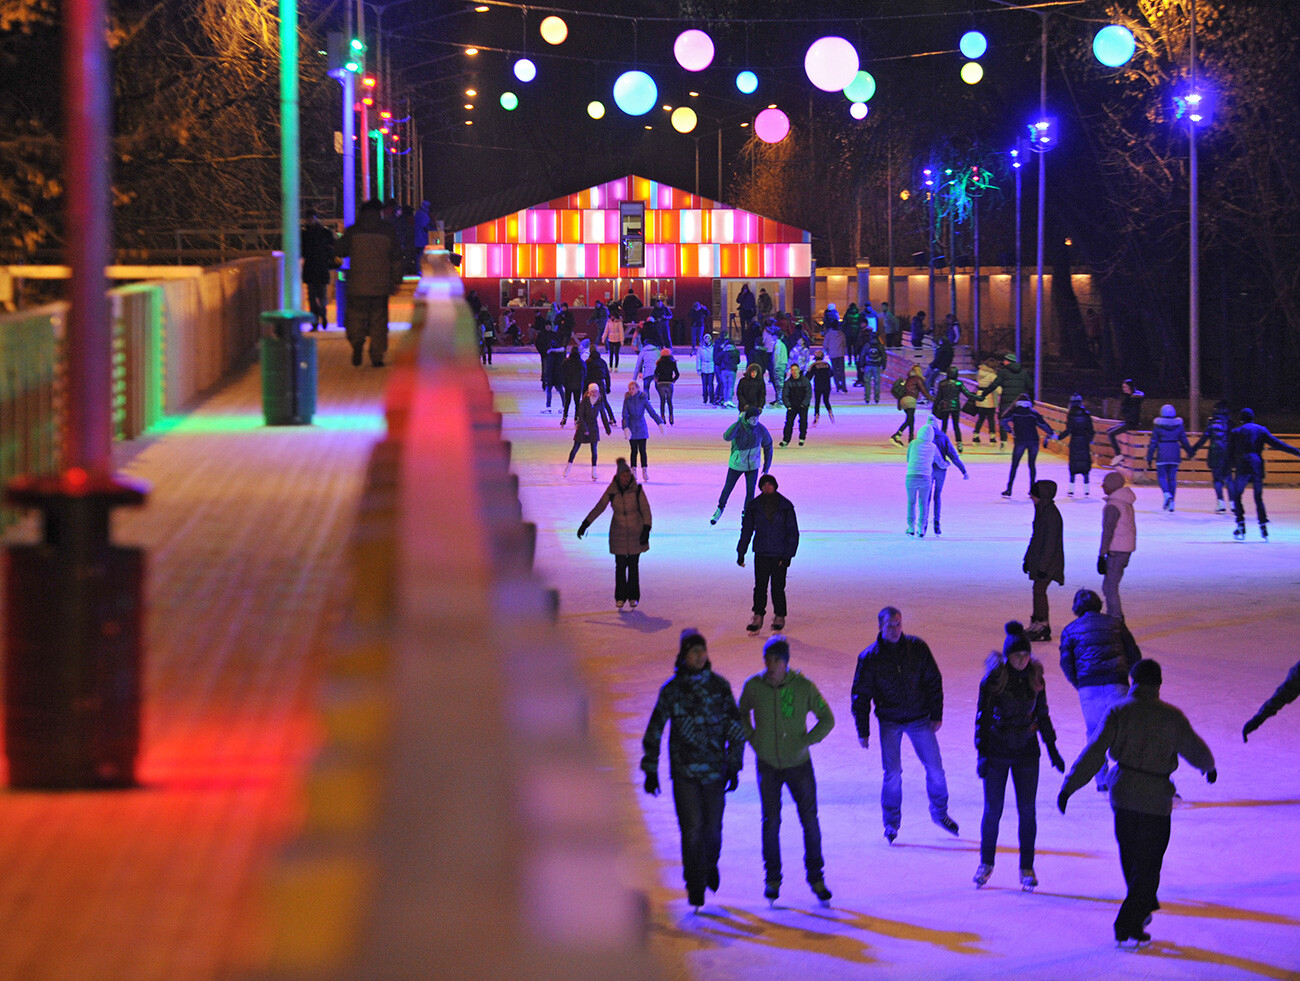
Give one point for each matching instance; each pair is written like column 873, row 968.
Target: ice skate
column 937, row 531
column 1140, row 939
column 755, row 623
column 821, row 892
column 982, row 873
column 1039, row 630
column 778, row 623
column 1240, row 532
column 975, row 439
column 1169, row 501
column 801, row 442
column 712, row 879
column 593, row 474
column 1070, row 492
column 772, row 891
column 567, row 467
column 1117, row 460
column 618, row 604
column 1263, row 530
column 947, row 823
column 632, row 603
column 716, row 515
column 696, row 898
column 1028, row 880
column 1220, row 507
column 1007, row 492
column 645, row 475
column 897, row 441
column 785, row 442
column 890, row 833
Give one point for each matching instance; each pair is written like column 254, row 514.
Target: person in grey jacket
column 1097, row 653
column 635, row 406
column 1145, row 736
column 629, row 531
column 374, row 271
column 797, row 396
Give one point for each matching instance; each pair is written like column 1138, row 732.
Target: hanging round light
column 509, row 101
column 554, row 30
column 525, row 70
column 858, row 110
column 693, row 50
column 971, row 72
column 771, row 125
column 747, row 82
column 596, row 109
column 862, row 88
column 1114, row 45
column 973, row 44
column 684, row 119
column 831, row 63
column 635, row 93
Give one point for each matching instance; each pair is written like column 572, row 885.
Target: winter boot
column 1039, row 630
column 1240, row 532
column 982, row 873
column 755, row 624
column 1028, row 880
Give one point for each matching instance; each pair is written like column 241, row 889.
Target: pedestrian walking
column 1079, row 429
column 821, row 386
column 1216, row 455
column 704, row 367
column 751, row 393
column 1130, row 414
column 771, row 524
column 986, row 401
column 1044, row 561
column 751, row 444
column 1246, row 452
column 900, row 676
column 1024, row 422
column 635, row 406
column 629, row 531
column 919, row 479
column 797, row 396
column 706, row 744
column 700, row 319
column 586, row 429
column 944, row 457
column 774, row 709
column 666, row 375
column 1145, row 736
column 1286, row 694
column 908, row 390
column 1166, row 447
column 871, row 362
column 374, row 272
column 316, row 243
column 1118, row 538
column 1010, row 718
column 948, row 401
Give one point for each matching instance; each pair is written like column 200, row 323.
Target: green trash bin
column 288, row 361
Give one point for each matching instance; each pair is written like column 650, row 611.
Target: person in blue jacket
column 1246, row 452
column 1024, row 423
column 945, row 455
column 770, row 522
column 1167, row 444
column 635, row 406
column 1216, row 456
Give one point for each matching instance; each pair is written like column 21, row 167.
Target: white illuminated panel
column 593, row 227
column 724, row 226
column 691, row 227
column 570, row 261
column 475, row 261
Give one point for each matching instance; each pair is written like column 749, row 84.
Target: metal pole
column 697, row 167
column 363, row 140
column 1194, row 264
column 975, row 276
column 929, row 247
column 952, row 265
column 889, row 211
column 289, row 179
column 719, row 162
column 1020, row 272
column 1042, row 198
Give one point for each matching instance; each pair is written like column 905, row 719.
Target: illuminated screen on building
column 631, row 231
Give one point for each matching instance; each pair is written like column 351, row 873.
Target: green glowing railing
column 28, row 424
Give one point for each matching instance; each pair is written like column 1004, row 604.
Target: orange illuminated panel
column 729, row 256
column 706, row 225
column 639, row 189
column 525, row 268
column 544, row 264
column 570, row 226
column 669, row 226
column 750, row 259
column 688, row 261
column 512, row 228
column 608, row 265
column 652, row 226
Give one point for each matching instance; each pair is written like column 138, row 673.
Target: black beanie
column 690, row 638
column 1016, row 639
column 1147, row 672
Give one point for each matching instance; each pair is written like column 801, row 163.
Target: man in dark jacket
column 1216, row 456
column 747, row 307
column 1013, row 380
column 1246, row 454
column 317, row 245
column 374, row 271
column 769, row 520
column 752, row 390
column 573, row 377
column 940, row 364
column 1097, row 652
column 631, row 307
column 1045, row 557
column 1024, row 423
column 706, row 743
column 900, row 675
column 797, row 396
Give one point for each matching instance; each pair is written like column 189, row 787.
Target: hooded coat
column 752, row 391
column 1045, row 555
column 631, row 515
column 706, row 742
column 1079, row 427
column 751, row 444
column 635, row 406
column 1168, row 438
column 646, row 361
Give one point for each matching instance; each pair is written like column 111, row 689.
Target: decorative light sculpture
column 1114, row 45
column 971, row 72
column 858, row 110
column 596, row 109
column 862, row 88
column 973, row 44
column 554, row 30
column 509, row 101
column 831, row 63
column 635, row 93
column 684, row 119
column 771, row 125
column 693, row 50
column 525, row 70
column 747, row 82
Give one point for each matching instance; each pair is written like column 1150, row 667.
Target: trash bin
column 288, row 361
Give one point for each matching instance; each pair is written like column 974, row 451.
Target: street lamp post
column 1042, row 202
column 1194, row 249
column 1017, row 164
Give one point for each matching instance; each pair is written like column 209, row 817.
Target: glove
column 1101, row 565
column 652, row 784
column 1254, row 723
column 740, row 559
column 734, row 782
column 1061, row 800
column 582, row 529
column 645, row 535
column 1055, row 757
column 981, row 768
column 1212, row 776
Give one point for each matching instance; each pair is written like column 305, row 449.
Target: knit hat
column 1112, row 482
column 767, row 478
column 777, row 646
column 1168, row 411
column 691, row 637
column 1010, row 356
column 620, row 466
column 1016, row 639
column 1147, row 672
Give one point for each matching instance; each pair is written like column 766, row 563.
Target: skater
column 797, row 395
column 947, row 404
column 778, row 358
column 1246, row 452
column 629, row 531
column 553, row 376
column 871, row 362
column 635, row 406
column 986, row 405
column 646, row 361
column 726, row 358
column 1130, row 414
column 944, row 456
column 907, row 391
column 1078, row 426
column 1010, row 717
column 631, row 307
column 835, row 346
column 769, row 520
column 374, row 274
column 1097, row 653
column 706, row 745
column 487, row 336
column 1286, row 694
column 1118, row 539
column 900, row 675
column 821, row 386
column 919, row 479
column 1045, row 557
column 666, row 375
column 1024, row 422
column 598, row 372
column 1145, row 736
column 779, row 702
column 612, row 336
column 1168, row 437
column 704, row 367
column 751, row 392
column 852, row 328
column 749, row 440
column 1014, row 381
column 939, row 365
column 586, row 429
column 918, row 333
column 1216, row 457
column 573, row 379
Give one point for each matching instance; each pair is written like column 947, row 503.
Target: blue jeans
column 1167, row 476
column 926, row 746
column 706, row 386
column 751, row 479
column 726, row 390
column 1024, row 774
column 1096, row 700
column 803, row 788
column 938, row 476
column 871, row 383
column 918, row 492
column 699, row 815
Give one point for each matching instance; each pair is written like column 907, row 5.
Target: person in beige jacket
column 629, row 531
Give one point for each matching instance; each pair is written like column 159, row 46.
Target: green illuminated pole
column 289, row 186
column 379, row 162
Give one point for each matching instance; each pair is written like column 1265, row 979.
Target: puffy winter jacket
column 751, row 444
column 1079, row 428
column 645, row 363
column 1216, row 435
column 706, row 742
column 1118, row 519
column 634, row 409
column 1010, row 715
column 1097, row 649
column 752, row 391
column 704, row 359
column 1014, row 381
column 631, row 516
column 726, row 357
column 921, row 452
column 772, row 525
column 573, row 372
column 902, row 679
column 987, row 393
column 1168, row 441
column 1045, row 555
column 797, row 393
column 779, row 734
column 666, row 370
column 1025, row 422
column 834, row 343
column 371, row 243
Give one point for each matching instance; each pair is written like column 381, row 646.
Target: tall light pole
column 1042, row 201
column 1194, row 249
column 1017, row 164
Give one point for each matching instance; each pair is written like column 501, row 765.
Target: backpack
column 898, row 388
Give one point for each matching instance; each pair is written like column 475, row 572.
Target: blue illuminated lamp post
column 1195, row 116
column 1017, row 164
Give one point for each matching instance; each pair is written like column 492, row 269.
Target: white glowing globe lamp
column 554, row 30
column 747, row 82
column 973, row 44
column 693, row 50
column 509, row 101
column 858, row 110
column 635, row 93
column 771, row 125
column 684, row 119
column 831, row 63
column 525, row 70
column 1114, row 45
column 596, row 109
column 861, row 89
column 971, row 72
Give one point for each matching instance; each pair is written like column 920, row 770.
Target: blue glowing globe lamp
column 635, row 93
column 973, row 44
column 747, row 82
column 1114, row 45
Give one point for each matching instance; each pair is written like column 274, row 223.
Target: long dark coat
column 1045, row 555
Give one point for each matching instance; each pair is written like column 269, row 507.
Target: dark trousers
column 665, row 400
column 638, row 446
column 1041, row 612
column 908, row 423
column 1254, row 479
column 316, row 304
column 565, row 397
column 955, row 419
column 939, row 475
column 820, row 398
column 802, row 415
column 1142, row 839
column 803, row 788
column 1167, row 477
column 751, row 479
column 706, row 386
column 1113, row 432
column 614, row 347
column 986, row 414
column 1024, row 775
column 367, row 317
column 627, row 578
column 699, row 815
column 485, row 354
column 574, row 452
column 837, row 369
column 769, row 568
column 1017, row 451
column 551, row 376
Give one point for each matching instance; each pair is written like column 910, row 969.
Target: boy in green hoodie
column 779, row 701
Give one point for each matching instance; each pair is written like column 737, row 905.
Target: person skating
column 835, row 345
column 1097, row 653
column 751, row 392
column 612, row 335
column 666, row 375
column 586, row 418
column 1130, row 414
column 751, row 444
column 774, row 710
column 553, row 377
column 704, row 367
column 1118, row 538
column 726, row 358
column 940, row 364
column 919, row 479
column 1145, row 736
column 986, row 401
column 1078, row 427
column 919, row 330
column 1010, row 718
column 770, row 522
column 1011, row 382
column 821, row 385
column 573, row 383
column 778, row 358
column 598, row 372
column 945, row 455
column 947, row 403
column 1166, row 447
column 1044, row 561
column 871, row 362
column 646, row 361
column 900, row 676
column 1024, row 423
column 911, row 389
column 1246, row 452
column 629, row 531
column 635, row 406
column 1286, row 694
column 1216, row 456
column 706, row 744
column 797, row 395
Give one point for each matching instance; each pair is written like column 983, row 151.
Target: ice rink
column 1219, row 615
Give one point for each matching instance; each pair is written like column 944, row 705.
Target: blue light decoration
column 861, row 89
column 1016, row 162
column 973, row 44
column 525, row 70
column 747, row 82
column 509, row 101
column 1043, row 134
column 1114, row 45
column 635, row 93
column 1194, row 107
